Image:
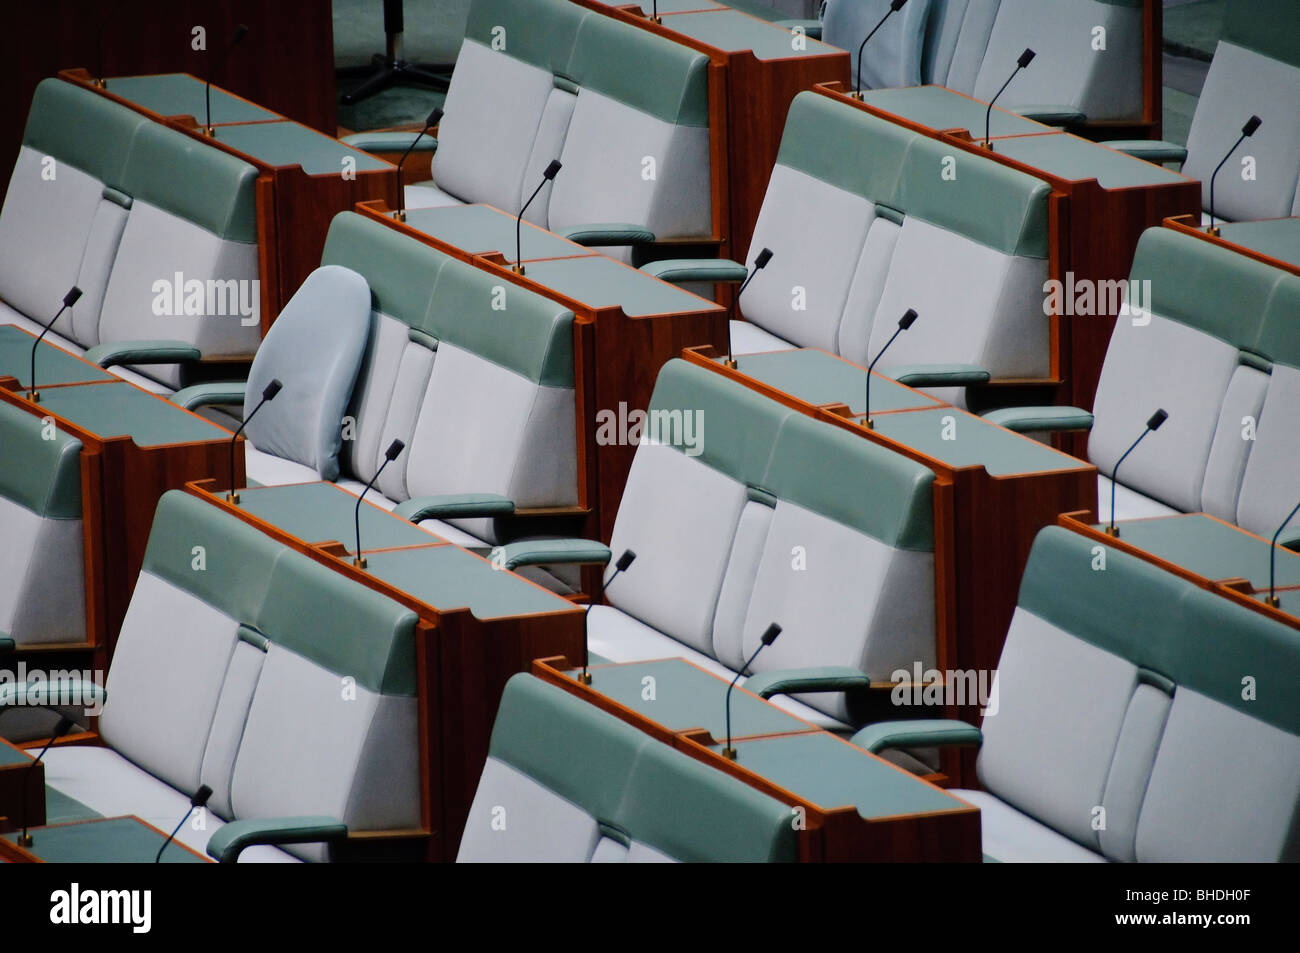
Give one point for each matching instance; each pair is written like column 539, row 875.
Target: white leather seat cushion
column 266, row 469
column 428, row 195
column 112, row 786
column 749, row 338
column 1269, row 487
column 42, row 584
column 514, row 819
column 1129, row 504
column 1015, row 838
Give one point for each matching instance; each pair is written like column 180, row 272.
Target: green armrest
column 548, row 552
column 939, row 375
column 1289, row 539
column 64, row 693
column 920, row 733
column 227, row 844
column 389, row 142
column 454, row 506
column 827, row 678
column 609, row 233
column 1153, row 150
column 7, row 645
column 811, row 28
column 681, row 270
column 1051, row 115
column 142, row 352
column 1040, row 419
column 208, row 395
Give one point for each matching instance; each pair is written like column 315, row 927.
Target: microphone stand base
column 100, row 83
column 400, row 215
column 988, row 144
column 517, row 269
column 1273, row 602
column 584, row 677
column 1213, row 231
column 35, row 397
column 729, row 753
column 1112, row 531
column 210, row 132
column 232, row 497
column 870, row 424
column 25, row 840
column 730, row 363
column 359, row 562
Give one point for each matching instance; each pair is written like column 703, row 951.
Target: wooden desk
column 16, row 772
column 102, row 840
column 857, row 807
column 1101, row 202
column 135, row 447
column 627, row 324
column 1274, row 241
column 306, row 176
column 764, row 67
column 994, row 489
column 480, row 625
column 1208, row 551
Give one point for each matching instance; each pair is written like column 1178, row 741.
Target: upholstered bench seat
column 748, row 338
column 1129, row 503
column 1011, row 837
column 112, row 786
column 428, row 195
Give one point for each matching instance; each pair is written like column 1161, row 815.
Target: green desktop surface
column 121, row 840
column 830, row 773
column 963, row 440
column 939, row 108
column 322, row 512
column 1212, row 549
column 1073, row 158
column 176, row 94
column 119, row 409
column 819, row 377
column 448, row 577
column 679, row 696
column 480, row 228
column 288, row 143
column 53, row 364
column 601, row 282
column 1277, row 237
column 733, row 32
column 10, row 755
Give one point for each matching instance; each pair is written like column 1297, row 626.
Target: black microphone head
column 394, row 449
column 272, row 389
column 71, row 298
column 241, row 30
column 625, row 560
column 763, row 258
column 908, row 319
column 1158, row 418
column 770, row 635
column 553, row 170
column 201, row 796
column 1026, row 58
column 1252, row 124
column 435, row 117
column 897, row 5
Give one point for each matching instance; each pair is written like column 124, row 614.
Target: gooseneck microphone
column 1248, row 130
column 61, row 729
column 1025, row 59
column 548, row 175
column 69, row 300
column 768, row 637
column 759, row 264
column 1158, row 418
column 621, row 565
column 430, row 122
column 268, row 393
column 1272, row 560
column 905, row 322
column 894, row 7
column 394, row 450
column 200, row 799
column 240, row 31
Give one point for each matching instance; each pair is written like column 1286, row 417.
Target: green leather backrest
column 845, row 147
column 401, row 271
column 192, row 180
column 565, row 744
column 1157, row 621
column 985, row 201
column 41, row 475
column 1269, row 27
column 306, row 607
column 739, row 425
column 1205, row 286
column 853, row 481
column 84, row 129
column 624, row 778
column 529, row 334
column 540, row 32
column 647, row 72
column 1279, row 332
